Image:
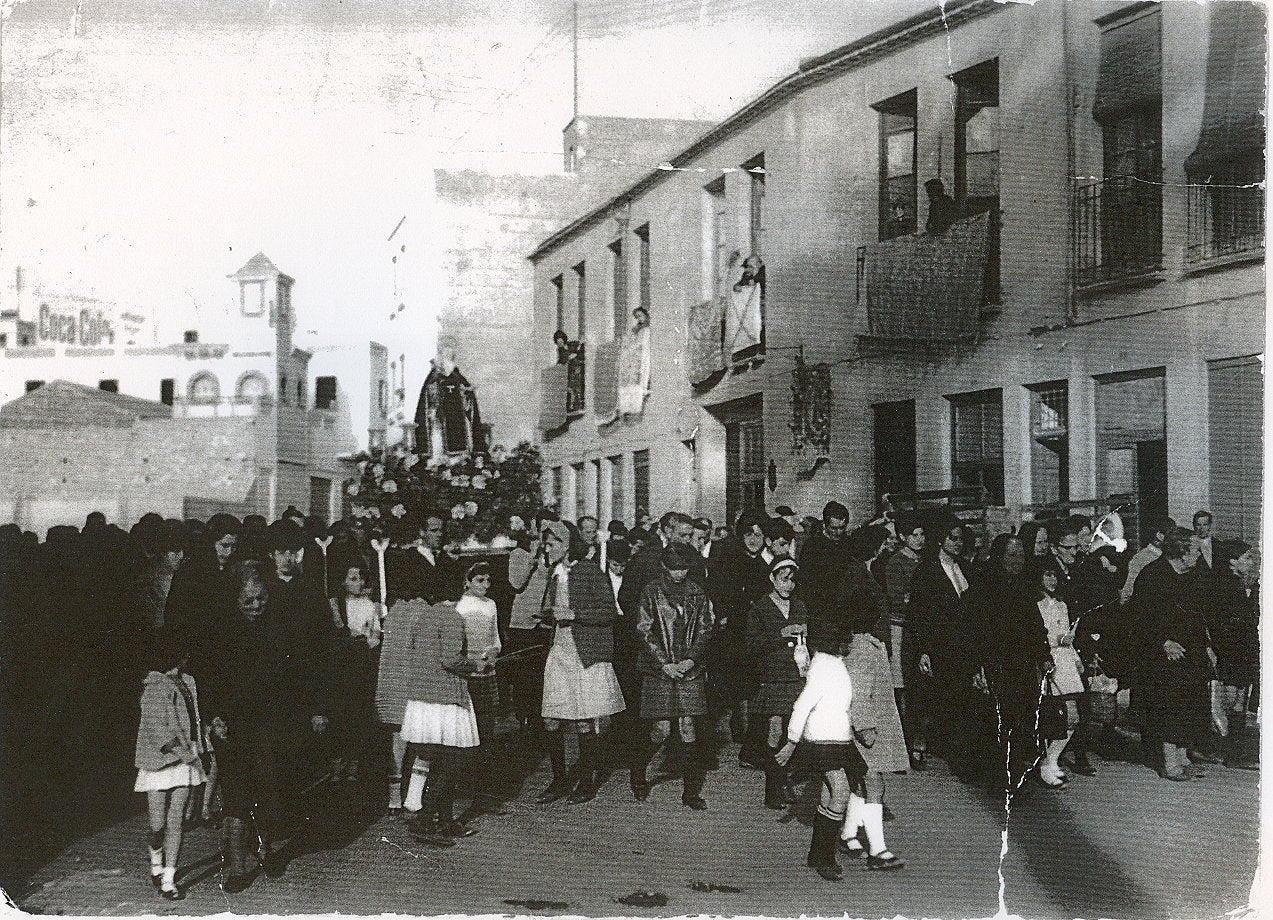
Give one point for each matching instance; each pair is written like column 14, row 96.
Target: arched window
column 251, row 387
column 204, row 388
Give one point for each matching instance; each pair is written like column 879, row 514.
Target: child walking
column 1065, row 683
column 170, row 747
column 359, row 652
column 820, row 740
column 481, row 639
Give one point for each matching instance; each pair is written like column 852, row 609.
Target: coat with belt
column 938, row 624
column 592, row 602
column 437, row 659
column 772, row 656
column 669, row 636
column 875, row 706
column 165, row 735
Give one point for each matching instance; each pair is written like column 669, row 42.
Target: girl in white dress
column 481, row 639
column 1066, row 680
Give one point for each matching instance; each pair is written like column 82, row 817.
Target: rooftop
column 62, row 404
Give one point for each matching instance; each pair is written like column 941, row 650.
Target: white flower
column 461, row 481
column 352, row 488
column 389, row 485
column 478, row 461
column 457, row 512
column 446, row 474
column 412, row 460
column 495, row 474
column 470, row 508
column 398, row 511
column 378, row 471
column 479, row 482
column 375, row 512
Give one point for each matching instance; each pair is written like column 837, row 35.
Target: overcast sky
column 150, row 147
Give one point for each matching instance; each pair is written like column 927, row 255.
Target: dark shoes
column 883, row 862
column 274, row 864
column 233, row 884
column 587, row 789
column 172, row 894
column 696, row 802
column 1082, row 766
column 832, row 873
column 558, row 789
column 424, row 828
column 455, row 829
column 640, row 789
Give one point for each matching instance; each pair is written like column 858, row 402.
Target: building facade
column 1075, row 319
column 282, row 417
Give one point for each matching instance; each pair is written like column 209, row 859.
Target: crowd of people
column 273, row 655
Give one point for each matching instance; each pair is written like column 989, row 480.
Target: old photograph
column 632, row 458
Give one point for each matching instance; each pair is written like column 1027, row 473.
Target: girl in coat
column 674, row 629
column 170, row 748
column 820, row 740
column 438, row 723
column 877, row 732
column 776, row 626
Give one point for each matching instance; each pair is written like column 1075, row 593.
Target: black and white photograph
column 632, row 458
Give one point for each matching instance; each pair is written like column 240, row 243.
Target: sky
column 151, row 147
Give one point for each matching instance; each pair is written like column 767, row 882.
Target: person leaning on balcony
column 943, row 211
column 562, row 343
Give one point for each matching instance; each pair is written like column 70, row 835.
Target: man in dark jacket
column 822, row 561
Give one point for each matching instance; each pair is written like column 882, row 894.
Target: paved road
column 1123, row 844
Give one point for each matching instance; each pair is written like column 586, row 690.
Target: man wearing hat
column 580, row 686
column 674, row 629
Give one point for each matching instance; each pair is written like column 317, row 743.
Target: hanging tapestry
column 811, row 407
column 605, row 381
column 634, row 371
column 575, row 379
column 927, row 289
column 552, row 389
column 704, row 355
column 744, row 320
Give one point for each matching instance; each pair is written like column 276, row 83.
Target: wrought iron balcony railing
column 1117, row 230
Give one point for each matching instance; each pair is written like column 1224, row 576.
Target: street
column 1122, row 844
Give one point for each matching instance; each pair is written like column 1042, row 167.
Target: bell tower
column 263, row 319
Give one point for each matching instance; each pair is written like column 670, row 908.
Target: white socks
column 415, row 788
column 156, row 860
column 170, row 877
column 853, row 823
column 873, row 821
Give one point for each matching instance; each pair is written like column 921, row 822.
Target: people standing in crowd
column 153, row 585
column 482, row 642
column 675, row 631
column 438, row 723
column 415, row 571
column 739, row 579
column 1065, row 681
column 701, row 538
column 1151, row 552
column 1094, row 603
column 616, row 566
column 877, row 732
column 858, row 596
column 780, row 540
column 945, row 643
column 1016, row 654
column 589, row 532
column 1235, row 632
column 878, row 564
column 169, row 756
column 776, row 628
column 899, row 573
column 580, row 686
column 1081, row 524
column 355, row 733
column 1065, row 554
column 1035, row 539
column 266, row 693
column 1176, row 654
column 819, row 737
column 529, row 638
column 1202, row 524
column 392, row 674
column 822, row 560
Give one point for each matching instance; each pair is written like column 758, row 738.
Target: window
column 898, row 190
column 581, row 491
column 559, row 300
column 744, row 465
column 167, row 391
column 320, row 497
column 618, row 505
column 894, row 437
column 717, row 213
column 641, row 481
column 1050, row 442
column 976, row 436
column 1119, row 219
column 34, row 385
column 204, row 388
column 251, row 387
column 581, row 295
column 977, row 138
column 618, row 288
column 756, row 200
column 324, row 392
column 282, row 389
column 643, row 266
column 1235, row 390
column 252, row 298
column 1131, row 445
column 190, row 337
column 300, row 393
column 109, row 386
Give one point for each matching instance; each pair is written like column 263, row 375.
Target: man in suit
column 1202, row 523
column 414, row 570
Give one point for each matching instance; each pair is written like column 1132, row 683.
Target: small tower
column 264, row 320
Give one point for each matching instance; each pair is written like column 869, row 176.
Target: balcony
column 562, row 390
column 924, row 293
column 1226, row 219
column 221, row 408
column 1117, row 230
